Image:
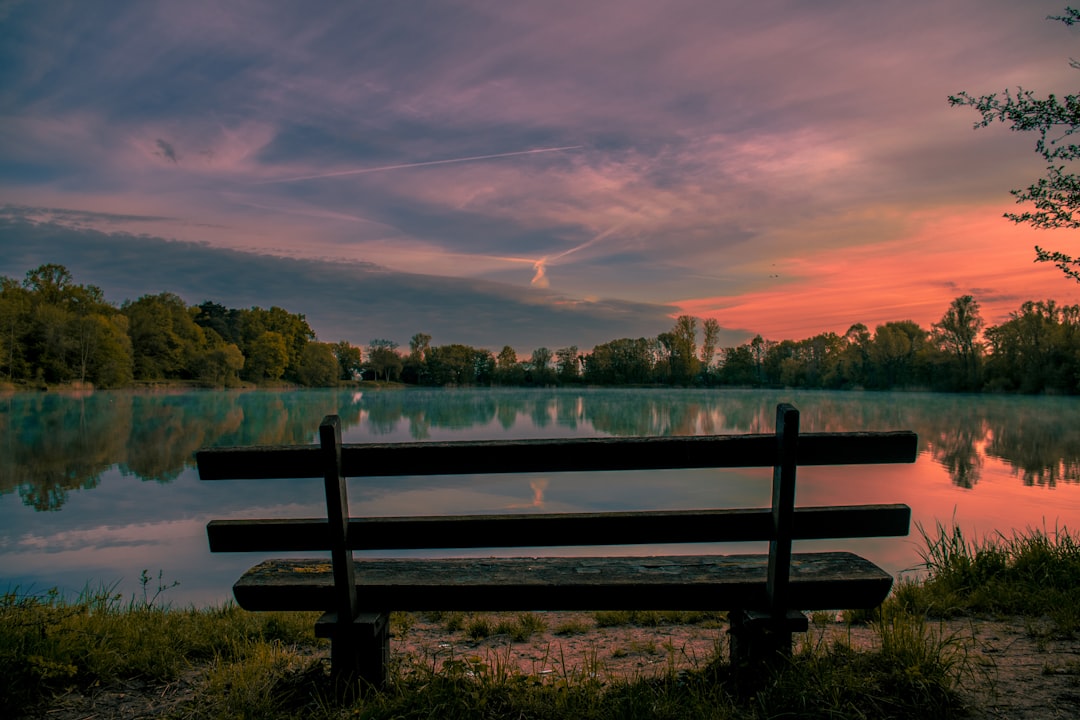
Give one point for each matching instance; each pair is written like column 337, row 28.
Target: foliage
column 383, row 359
column 957, row 335
column 1056, row 196
column 350, row 359
column 319, row 365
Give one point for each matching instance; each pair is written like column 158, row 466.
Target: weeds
column 48, row 643
column 1034, row 573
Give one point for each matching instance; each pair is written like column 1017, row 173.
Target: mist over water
column 96, row 488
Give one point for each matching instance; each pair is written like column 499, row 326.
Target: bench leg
column 760, row 643
column 359, row 651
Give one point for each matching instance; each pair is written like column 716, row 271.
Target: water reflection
column 54, row 444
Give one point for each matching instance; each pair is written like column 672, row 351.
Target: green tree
column 957, row 335
column 625, row 361
column 102, row 349
column 680, row 349
column 895, row 354
column 459, row 365
column 540, row 372
column 267, row 357
column 350, row 359
column 383, row 359
column 1056, row 196
column 1037, row 349
column 419, row 344
column 508, row 371
column 15, row 303
column 319, row 366
column 567, row 364
column 165, row 340
column 737, row 366
column 709, row 343
column 222, row 364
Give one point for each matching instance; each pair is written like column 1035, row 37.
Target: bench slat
column 712, row 582
column 558, row 530
column 562, row 455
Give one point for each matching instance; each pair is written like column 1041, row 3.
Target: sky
column 530, row 173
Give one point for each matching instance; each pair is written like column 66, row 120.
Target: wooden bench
column 764, row 594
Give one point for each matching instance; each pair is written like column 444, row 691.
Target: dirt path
column 1028, row 676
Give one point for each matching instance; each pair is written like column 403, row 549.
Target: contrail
column 363, row 171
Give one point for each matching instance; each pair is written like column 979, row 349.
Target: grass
column 270, row 665
column 1034, row 573
column 48, row 643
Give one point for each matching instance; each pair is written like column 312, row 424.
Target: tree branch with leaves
column 1056, row 197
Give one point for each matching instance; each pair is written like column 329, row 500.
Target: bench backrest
column 779, row 524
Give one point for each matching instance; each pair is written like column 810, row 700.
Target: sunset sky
column 530, row 173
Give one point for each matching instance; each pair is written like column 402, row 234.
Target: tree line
column 53, row 330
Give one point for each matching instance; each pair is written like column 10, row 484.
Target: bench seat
column 829, row 580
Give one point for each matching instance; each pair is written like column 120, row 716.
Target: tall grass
column 49, row 643
column 1032, row 573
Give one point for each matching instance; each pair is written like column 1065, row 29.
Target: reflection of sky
column 112, row 532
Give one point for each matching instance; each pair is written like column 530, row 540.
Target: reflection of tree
column 956, row 451
column 1040, row 445
column 66, row 447
column 53, row 444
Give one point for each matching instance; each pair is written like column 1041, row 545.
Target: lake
column 95, row 488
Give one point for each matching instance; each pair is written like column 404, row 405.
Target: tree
column 566, row 364
column 540, row 366
column 711, row 329
column 165, row 340
column 1036, row 349
column 1057, row 195
column 318, row 365
column 458, row 364
column 680, row 346
column 625, row 361
column 957, row 335
column 895, row 353
column 267, row 357
column 383, row 359
column 418, row 347
column 350, row 359
column 222, row 364
column 508, row 371
column 14, row 315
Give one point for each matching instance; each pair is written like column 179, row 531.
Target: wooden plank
column 713, row 582
column 558, row 529
column 560, row 455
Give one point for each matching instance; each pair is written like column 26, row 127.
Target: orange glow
column 914, row 277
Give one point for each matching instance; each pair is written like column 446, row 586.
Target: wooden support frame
column 359, row 642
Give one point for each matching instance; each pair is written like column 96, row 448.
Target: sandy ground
column 1026, row 675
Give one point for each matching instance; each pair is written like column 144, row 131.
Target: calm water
column 95, row 489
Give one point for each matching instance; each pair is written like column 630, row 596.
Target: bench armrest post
column 337, row 512
column 783, row 508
